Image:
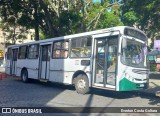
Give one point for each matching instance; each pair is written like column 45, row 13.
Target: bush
column 153, row 67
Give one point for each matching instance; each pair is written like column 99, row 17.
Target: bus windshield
column 133, row 53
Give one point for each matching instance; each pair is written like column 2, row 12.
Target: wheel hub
column 81, row 84
column 24, row 76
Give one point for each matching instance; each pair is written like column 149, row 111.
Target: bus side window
column 15, row 54
column 81, row 47
column 22, row 52
column 33, row 51
column 60, row 49
column 8, row 54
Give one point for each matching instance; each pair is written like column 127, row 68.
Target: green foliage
column 143, row 14
column 109, row 19
column 13, row 33
column 58, row 18
column 153, row 67
column 42, row 35
column 130, row 18
column 102, row 15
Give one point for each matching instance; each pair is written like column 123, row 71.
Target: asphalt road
column 14, row 93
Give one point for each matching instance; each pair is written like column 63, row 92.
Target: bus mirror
column 124, row 43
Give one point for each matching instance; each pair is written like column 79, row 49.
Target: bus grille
column 140, row 71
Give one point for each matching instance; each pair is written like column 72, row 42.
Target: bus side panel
column 7, row 66
column 58, row 71
column 32, row 68
column 62, row 70
column 14, row 65
column 21, row 63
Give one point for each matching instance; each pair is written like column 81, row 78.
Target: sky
column 96, row 0
column 100, row 0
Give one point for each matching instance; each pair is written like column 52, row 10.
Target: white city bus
column 112, row 58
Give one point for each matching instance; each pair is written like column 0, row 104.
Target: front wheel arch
column 76, row 74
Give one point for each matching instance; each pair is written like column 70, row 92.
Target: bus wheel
column 24, row 76
column 82, row 84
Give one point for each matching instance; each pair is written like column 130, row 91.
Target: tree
column 142, row 14
column 22, row 12
column 58, row 18
column 105, row 15
column 13, row 32
column 61, row 17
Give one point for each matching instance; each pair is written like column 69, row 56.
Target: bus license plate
column 141, row 85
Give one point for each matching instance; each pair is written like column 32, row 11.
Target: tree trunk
column 36, row 22
column 48, row 19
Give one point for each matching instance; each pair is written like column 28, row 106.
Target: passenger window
column 22, row 52
column 81, row 47
column 8, row 54
column 60, row 49
column 15, row 52
column 33, row 51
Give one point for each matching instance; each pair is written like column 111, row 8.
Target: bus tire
column 24, row 76
column 82, row 84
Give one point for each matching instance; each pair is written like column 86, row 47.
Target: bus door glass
column 13, row 61
column 106, row 61
column 45, row 61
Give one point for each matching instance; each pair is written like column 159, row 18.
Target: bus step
column 43, row 80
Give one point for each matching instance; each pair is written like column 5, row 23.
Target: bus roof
column 118, row 28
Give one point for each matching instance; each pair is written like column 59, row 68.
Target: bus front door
column 45, row 61
column 106, row 62
column 13, row 63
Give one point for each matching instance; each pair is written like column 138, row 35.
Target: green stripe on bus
column 126, row 85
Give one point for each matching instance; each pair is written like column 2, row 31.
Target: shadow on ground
column 154, row 76
column 153, row 100
column 100, row 92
